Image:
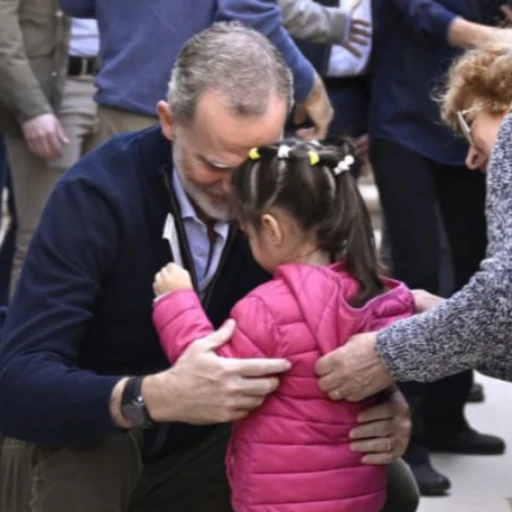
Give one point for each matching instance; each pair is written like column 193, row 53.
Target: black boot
column 476, row 393
column 469, row 442
column 430, row 482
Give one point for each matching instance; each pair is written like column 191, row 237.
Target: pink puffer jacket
column 293, row 453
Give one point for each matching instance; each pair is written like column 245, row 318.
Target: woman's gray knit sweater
column 472, row 329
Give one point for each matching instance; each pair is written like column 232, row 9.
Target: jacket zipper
column 164, row 428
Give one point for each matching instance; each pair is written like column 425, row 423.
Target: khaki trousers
column 112, row 121
column 113, row 478
column 33, row 178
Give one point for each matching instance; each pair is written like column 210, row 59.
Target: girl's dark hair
column 290, row 177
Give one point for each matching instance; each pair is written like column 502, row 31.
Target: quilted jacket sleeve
column 179, row 319
column 255, row 331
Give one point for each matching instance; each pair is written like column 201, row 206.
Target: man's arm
column 313, row 22
column 79, row 8
column 431, row 19
column 20, row 91
column 310, row 92
column 45, row 397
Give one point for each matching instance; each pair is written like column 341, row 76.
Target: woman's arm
column 473, row 329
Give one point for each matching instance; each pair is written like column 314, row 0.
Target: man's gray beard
column 200, row 199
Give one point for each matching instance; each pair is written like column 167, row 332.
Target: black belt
column 78, row 66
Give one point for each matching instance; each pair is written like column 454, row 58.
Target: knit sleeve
column 473, row 328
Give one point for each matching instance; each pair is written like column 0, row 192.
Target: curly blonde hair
column 479, row 75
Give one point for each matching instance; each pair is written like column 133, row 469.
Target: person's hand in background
column 359, row 33
column 317, row 107
column 44, row 136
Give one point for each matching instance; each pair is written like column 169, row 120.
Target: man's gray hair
column 242, row 65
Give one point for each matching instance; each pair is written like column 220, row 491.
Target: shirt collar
column 188, row 212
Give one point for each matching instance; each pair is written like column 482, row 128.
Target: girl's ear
column 272, row 230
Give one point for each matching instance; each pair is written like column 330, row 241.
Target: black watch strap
column 133, row 407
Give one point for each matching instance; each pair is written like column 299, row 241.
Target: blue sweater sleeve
column 426, row 17
column 79, row 8
column 265, row 17
column 45, row 397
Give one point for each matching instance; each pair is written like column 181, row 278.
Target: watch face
column 133, row 414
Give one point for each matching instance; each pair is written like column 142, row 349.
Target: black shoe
column 469, row 442
column 430, row 482
column 476, row 393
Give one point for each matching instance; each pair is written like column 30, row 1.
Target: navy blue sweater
column 81, row 316
column 410, row 61
column 141, row 40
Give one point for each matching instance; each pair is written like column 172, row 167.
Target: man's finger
column 507, row 11
column 258, row 367
column 54, row 144
column 248, row 403
column 355, row 5
column 219, row 337
column 359, row 22
column 359, row 40
column 371, row 430
column 325, row 365
column 378, row 459
column 62, row 136
column 330, row 383
column 260, row 387
column 379, row 412
column 353, row 50
column 373, row 446
column 45, row 148
column 300, row 115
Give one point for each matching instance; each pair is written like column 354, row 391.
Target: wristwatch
column 133, row 407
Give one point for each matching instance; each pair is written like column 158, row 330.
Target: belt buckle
column 83, row 66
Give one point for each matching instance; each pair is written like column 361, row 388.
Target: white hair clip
column 344, row 165
column 283, row 151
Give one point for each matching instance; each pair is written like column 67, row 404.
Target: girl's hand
column 171, row 278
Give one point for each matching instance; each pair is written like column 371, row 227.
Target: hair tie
column 314, row 157
column 283, row 151
column 343, row 165
column 254, row 154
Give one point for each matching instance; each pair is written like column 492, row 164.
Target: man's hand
column 354, row 371
column 384, row 431
column 170, row 279
column 318, row 108
column 203, row 388
column 45, row 136
column 424, row 301
column 360, row 32
column 507, row 12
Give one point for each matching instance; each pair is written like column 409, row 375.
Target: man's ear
column 270, row 226
column 166, row 120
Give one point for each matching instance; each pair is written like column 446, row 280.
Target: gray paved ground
column 480, row 484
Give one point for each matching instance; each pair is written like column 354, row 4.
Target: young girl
column 306, row 224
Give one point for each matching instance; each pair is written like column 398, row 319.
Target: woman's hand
column 353, row 372
column 170, row 279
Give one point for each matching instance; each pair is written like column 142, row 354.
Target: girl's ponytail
column 347, row 233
